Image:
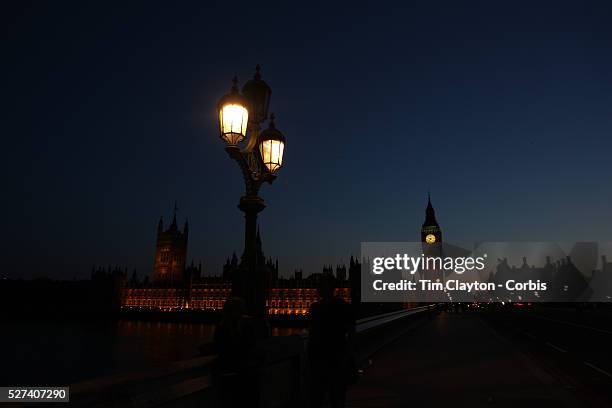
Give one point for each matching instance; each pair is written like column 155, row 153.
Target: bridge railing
column 282, row 376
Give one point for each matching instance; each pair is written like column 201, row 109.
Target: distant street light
column 259, row 162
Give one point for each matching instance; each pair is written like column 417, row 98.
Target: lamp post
column 240, row 118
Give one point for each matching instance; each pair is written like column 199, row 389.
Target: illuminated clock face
column 430, row 238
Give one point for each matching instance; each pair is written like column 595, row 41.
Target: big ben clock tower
column 430, row 232
column 431, row 241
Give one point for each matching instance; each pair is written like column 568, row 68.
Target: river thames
column 59, row 352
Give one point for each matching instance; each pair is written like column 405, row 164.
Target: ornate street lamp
column 240, row 117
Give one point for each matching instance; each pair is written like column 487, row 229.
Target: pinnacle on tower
column 173, row 226
column 430, row 213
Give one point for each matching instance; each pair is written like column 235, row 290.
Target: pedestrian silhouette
column 331, row 366
column 235, row 371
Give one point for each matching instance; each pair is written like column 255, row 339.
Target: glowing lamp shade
column 233, row 116
column 272, row 147
column 272, row 154
column 233, row 119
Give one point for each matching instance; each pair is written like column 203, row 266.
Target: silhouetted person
column 235, row 372
column 330, row 362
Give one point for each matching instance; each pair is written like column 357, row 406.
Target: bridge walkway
column 455, row 360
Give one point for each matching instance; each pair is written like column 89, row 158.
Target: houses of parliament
column 177, row 286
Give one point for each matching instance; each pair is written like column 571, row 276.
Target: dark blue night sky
column 504, row 111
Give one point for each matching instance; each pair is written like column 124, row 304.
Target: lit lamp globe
column 233, row 116
column 272, row 147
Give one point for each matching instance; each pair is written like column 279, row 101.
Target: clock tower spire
column 430, row 232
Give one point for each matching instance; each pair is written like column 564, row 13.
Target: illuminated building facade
column 286, row 297
column 293, row 296
column 169, row 298
column 176, row 287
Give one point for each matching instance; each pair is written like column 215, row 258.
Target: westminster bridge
column 496, row 356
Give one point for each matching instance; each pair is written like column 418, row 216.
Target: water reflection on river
column 56, row 352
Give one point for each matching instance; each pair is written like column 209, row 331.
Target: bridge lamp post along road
column 241, row 115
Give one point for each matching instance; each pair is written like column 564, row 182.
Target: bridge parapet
column 281, row 378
